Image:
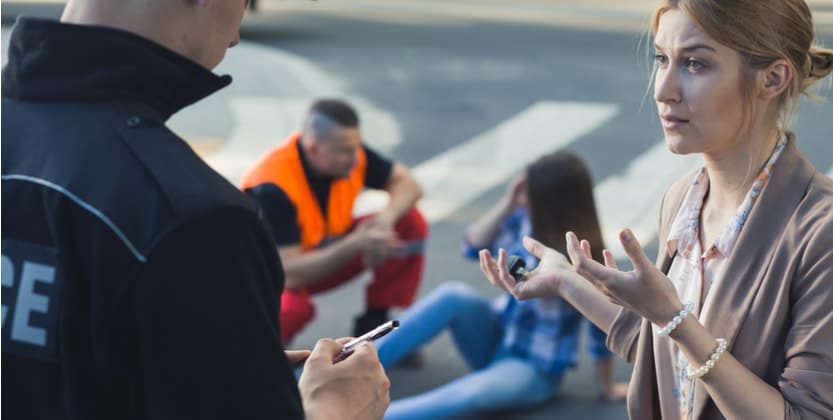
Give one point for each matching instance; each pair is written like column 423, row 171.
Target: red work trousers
column 395, row 282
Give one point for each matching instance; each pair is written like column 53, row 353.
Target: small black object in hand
column 517, row 267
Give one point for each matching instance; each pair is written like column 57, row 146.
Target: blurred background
column 458, row 89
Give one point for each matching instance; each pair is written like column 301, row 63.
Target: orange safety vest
column 282, row 166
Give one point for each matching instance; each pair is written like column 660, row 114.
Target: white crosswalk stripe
column 458, row 176
column 629, row 199
column 262, row 123
column 632, row 199
column 4, row 46
column 263, row 110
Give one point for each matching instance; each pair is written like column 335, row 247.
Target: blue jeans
column 497, row 381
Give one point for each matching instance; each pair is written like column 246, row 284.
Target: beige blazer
column 774, row 304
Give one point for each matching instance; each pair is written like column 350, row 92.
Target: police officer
column 137, row 283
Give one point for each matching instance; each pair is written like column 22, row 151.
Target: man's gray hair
column 320, row 126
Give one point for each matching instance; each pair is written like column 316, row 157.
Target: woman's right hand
column 553, row 269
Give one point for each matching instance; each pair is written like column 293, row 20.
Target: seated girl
column 518, row 350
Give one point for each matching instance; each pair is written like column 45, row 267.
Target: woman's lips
column 670, row 122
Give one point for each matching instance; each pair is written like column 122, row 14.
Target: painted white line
column 615, row 14
column 4, row 44
column 632, row 198
column 459, row 175
column 292, row 83
column 262, row 123
column 266, row 102
column 266, row 70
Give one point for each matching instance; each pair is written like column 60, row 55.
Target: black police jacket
column 137, row 282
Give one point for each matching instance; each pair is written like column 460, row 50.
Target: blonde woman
column 735, row 320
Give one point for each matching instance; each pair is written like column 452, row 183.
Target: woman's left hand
column 645, row 290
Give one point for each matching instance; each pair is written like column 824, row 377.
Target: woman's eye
column 694, row 65
column 660, row 59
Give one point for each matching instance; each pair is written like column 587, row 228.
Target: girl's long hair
column 560, row 199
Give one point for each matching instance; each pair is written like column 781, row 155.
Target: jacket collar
column 52, row 61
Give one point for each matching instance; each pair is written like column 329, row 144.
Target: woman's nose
column 666, row 86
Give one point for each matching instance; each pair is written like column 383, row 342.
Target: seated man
column 307, row 186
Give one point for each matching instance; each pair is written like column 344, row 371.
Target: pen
column 373, row 334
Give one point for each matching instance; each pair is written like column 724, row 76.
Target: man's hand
column 355, row 388
column 377, row 243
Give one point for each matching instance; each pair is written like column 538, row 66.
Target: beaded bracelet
column 703, row 370
column 688, row 308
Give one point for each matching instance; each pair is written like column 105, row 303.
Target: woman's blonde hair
column 762, row 31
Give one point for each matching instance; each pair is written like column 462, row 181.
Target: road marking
column 277, row 71
column 259, row 109
column 632, row 198
column 622, row 16
column 262, row 123
column 459, row 175
column 5, row 32
column 285, row 99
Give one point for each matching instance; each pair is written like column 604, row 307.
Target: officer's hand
column 355, row 388
column 296, row 356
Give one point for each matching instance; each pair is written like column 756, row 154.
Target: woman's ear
column 775, row 79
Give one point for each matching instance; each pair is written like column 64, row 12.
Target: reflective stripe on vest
column 282, row 166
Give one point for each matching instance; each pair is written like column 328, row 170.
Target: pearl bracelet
column 688, row 308
column 703, row 370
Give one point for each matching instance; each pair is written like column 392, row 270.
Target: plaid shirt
column 544, row 331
